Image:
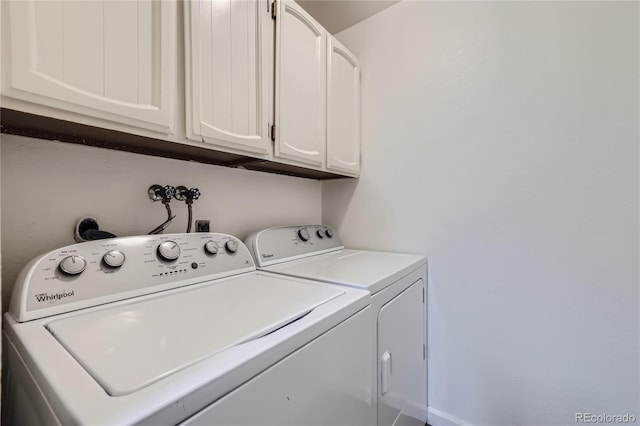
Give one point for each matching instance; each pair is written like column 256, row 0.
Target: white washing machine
column 397, row 283
column 181, row 329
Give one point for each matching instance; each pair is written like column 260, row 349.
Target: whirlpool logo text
column 52, row 298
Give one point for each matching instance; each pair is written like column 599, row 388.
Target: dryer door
column 402, row 383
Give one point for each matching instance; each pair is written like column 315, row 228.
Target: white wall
column 501, row 139
column 51, row 185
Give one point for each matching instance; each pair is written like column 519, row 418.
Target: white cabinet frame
column 229, row 73
column 343, row 109
column 30, row 32
column 300, row 86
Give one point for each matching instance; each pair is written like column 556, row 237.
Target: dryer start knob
column 303, row 234
column 73, row 265
column 169, row 250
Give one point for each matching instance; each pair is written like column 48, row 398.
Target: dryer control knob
column 211, row 247
column 320, row 233
column 114, row 258
column 169, row 250
column 231, row 246
column 329, row 232
column 303, row 234
column 73, row 265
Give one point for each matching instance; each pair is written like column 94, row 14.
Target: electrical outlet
column 202, row 226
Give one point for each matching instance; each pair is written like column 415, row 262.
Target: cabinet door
column 107, row 59
column 402, row 365
column 300, row 86
column 343, row 109
column 229, row 57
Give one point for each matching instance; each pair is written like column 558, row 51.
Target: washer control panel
column 281, row 244
column 101, row 271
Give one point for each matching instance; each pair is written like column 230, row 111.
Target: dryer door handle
column 385, row 372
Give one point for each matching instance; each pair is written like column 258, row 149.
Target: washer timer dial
column 169, row 250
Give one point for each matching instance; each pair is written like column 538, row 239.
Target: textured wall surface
column 51, row 185
column 501, row 140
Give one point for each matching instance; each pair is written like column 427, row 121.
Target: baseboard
column 440, row 418
column 411, row 414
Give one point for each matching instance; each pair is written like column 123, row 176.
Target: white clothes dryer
column 397, row 283
column 181, row 329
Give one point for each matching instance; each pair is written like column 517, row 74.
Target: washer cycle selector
column 113, row 258
column 303, row 234
column 169, row 250
column 231, row 246
column 211, row 247
column 319, row 233
column 73, row 265
column 329, row 232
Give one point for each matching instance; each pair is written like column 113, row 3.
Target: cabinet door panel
column 227, row 69
column 106, row 59
column 300, row 86
column 50, row 39
column 83, row 45
column 221, row 61
column 120, row 55
column 343, row 109
column 148, row 92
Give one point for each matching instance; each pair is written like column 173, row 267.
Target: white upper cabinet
column 258, row 82
column 111, row 60
column 300, row 86
column 343, row 109
column 229, row 63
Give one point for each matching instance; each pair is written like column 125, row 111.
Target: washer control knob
column 169, row 250
column 231, row 246
column 329, row 232
column 211, row 247
column 73, row 265
column 114, row 258
column 320, row 233
column 303, row 234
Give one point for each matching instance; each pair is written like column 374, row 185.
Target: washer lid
column 128, row 347
column 369, row 270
